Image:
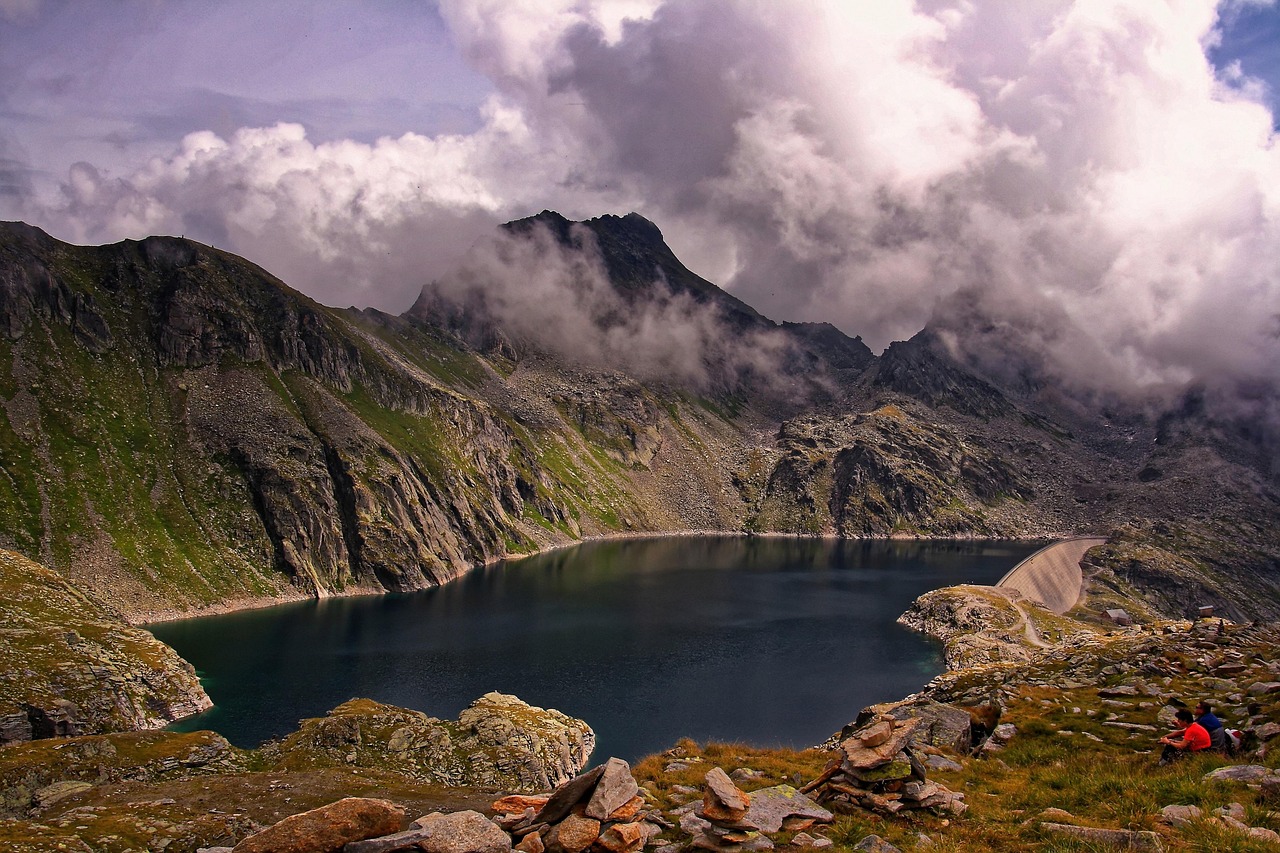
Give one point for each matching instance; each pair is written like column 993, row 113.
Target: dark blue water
column 767, row 641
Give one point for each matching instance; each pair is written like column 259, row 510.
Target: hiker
column 1212, row 725
column 1190, row 737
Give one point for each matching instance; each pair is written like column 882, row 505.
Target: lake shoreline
column 144, row 618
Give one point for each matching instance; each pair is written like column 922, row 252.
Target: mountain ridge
column 182, row 430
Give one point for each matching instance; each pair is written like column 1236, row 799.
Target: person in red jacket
column 1190, row 737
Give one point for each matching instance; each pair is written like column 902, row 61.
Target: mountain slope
column 179, row 429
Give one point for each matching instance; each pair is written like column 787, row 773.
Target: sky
column 1098, row 180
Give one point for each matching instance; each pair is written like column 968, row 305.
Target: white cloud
column 1075, row 169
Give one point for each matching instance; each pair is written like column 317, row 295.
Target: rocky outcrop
column 71, row 667
column 975, row 624
column 882, row 473
column 34, row 775
column 497, row 742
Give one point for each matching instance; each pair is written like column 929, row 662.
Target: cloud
column 547, row 296
column 1071, row 171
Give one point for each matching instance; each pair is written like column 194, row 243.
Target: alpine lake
column 760, row 640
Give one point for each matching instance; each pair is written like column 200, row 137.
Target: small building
column 1118, row 616
column 1206, row 612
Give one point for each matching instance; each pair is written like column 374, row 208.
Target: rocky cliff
column 71, row 667
column 180, row 430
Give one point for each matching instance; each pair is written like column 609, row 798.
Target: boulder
column 517, row 803
column 463, row 832
column 722, row 801
column 328, row 828
column 573, row 834
column 1180, row 815
column 1259, row 688
column 1250, row 774
column 875, row 734
column 770, row 807
column 614, row 790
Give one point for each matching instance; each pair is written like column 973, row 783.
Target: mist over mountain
column 182, row 430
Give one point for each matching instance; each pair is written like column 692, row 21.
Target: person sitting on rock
column 1212, row 725
column 1190, row 737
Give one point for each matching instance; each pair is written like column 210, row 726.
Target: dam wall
column 1052, row 575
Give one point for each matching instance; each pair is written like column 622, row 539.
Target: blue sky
column 1251, row 37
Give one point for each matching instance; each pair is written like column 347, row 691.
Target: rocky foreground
column 1041, row 736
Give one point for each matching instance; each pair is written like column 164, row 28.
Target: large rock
column 722, row 801
column 498, row 742
column 1252, row 774
column 463, row 832
column 616, row 787
column 573, row 834
column 771, row 806
column 327, row 828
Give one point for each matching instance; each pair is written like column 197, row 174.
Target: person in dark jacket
column 1212, row 725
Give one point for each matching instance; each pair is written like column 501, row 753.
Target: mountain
column 180, row 430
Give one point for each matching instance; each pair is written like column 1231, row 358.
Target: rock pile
column 878, row 770
column 730, row 821
column 602, row 807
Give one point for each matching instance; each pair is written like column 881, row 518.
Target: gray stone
column 1115, row 692
column 875, row 844
column 1122, row 838
column 1258, row 688
column 701, row 835
column 771, row 806
column 615, row 788
column 14, row 728
column 1267, row 731
column 817, row 842
column 387, row 843
column 1180, row 815
column 941, row 762
column 1251, row 774
column 464, row 832
column 1004, row 732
